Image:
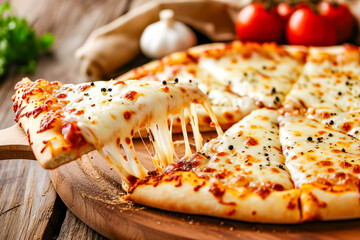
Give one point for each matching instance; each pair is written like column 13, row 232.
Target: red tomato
column 255, row 23
column 308, row 28
column 340, row 16
column 284, row 10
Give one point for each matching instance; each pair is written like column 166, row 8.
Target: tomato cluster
column 323, row 24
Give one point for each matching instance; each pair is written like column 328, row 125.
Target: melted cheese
column 110, row 113
column 223, row 102
column 264, row 79
column 329, row 88
column 338, row 92
column 348, row 122
column 314, row 151
column 248, row 154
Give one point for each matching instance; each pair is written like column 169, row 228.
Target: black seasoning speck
column 109, row 89
column 230, row 147
column 330, row 134
column 281, row 166
column 190, row 80
column 92, row 84
column 273, row 90
column 343, row 150
column 266, row 154
column 277, row 99
column 176, row 80
column 109, row 100
column 339, row 93
column 309, row 139
column 164, row 82
column 86, row 94
column 331, row 122
column 103, row 89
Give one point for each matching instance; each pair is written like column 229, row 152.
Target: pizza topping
column 250, row 141
column 48, row 121
column 269, row 88
column 128, row 98
column 338, row 79
column 130, row 95
column 323, row 159
column 72, row 134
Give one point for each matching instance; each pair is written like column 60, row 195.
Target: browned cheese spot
column 250, row 141
column 127, row 115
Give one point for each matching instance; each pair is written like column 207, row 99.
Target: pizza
column 238, row 175
column 291, row 151
column 65, row 121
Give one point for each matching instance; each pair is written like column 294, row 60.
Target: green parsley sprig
column 19, row 44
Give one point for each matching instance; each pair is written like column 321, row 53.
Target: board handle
column 14, row 144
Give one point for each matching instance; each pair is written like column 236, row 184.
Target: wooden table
column 29, row 205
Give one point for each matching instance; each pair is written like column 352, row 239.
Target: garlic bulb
column 166, row 36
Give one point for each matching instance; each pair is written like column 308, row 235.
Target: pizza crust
column 251, row 207
column 320, row 204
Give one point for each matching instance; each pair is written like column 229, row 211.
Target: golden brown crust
column 338, row 55
column 33, row 103
column 319, row 203
column 185, row 192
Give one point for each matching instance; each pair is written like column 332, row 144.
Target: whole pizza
column 291, row 151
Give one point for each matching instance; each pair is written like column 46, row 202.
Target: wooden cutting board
column 91, row 189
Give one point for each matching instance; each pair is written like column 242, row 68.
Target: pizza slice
column 240, row 175
column 64, row 121
column 263, row 72
column 237, row 77
column 329, row 88
column 325, row 165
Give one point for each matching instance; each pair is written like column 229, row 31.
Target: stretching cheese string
column 160, row 135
